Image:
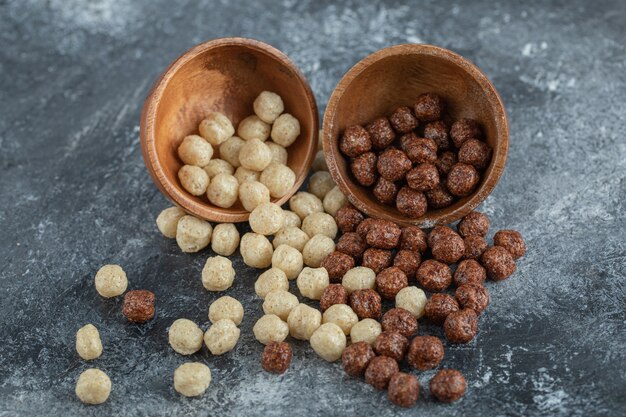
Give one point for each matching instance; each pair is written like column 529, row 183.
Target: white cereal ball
column 193, row 179
column 367, row 330
column 279, row 154
column 255, row 155
column 285, row 130
column 320, row 140
column 270, row 328
column 218, row 274
column 412, row 299
column 229, row 150
column 192, row 379
column 316, row 249
column 253, row 193
column 321, row 224
column 111, row 281
column 280, row 303
column 334, row 200
column 253, row 128
column 225, row 239
column 256, row 250
column 218, row 166
column 303, row 321
column 279, row 179
column 216, row 128
column 88, row 343
column 226, row 307
column 329, row 341
column 221, row 337
column 292, row 219
column 271, row 280
column 185, row 337
column 359, row 278
column 193, row 234
column 268, row 106
column 288, row 260
column 266, row 219
column 291, row 236
column 244, row 175
column 342, row 315
column 168, row 220
column 194, row 150
column 320, row 184
column 223, row 190
column 303, row 204
column 319, row 162
column 93, row 386
column 312, row 282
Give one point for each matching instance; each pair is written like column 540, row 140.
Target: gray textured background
column 75, row 195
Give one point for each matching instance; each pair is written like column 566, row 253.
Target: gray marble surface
column 75, row 195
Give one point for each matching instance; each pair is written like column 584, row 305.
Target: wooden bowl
column 395, row 76
column 224, row 75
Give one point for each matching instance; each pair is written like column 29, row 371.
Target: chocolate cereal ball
column 351, row 244
column 433, row 275
column 365, row 226
column 437, row 233
column 512, row 241
column 356, row 357
column 463, row 130
column 348, row 218
column 363, row 168
column 439, row 306
column 425, row 352
column 276, row 357
column 439, row 197
column 333, row 294
column 380, row 370
column 383, row 234
column 393, row 164
column 377, row 259
column 445, row 162
column 462, row 179
column 385, row 191
column 423, row 177
column 448, row 385
column 355, row 141
column 475, row 246
column 476, row 153
column 428, row 107
column 474, row 224
column 381, row 133
column 138, row 306
column 337, row 264
column 391, row 344
column 421, row 150
column 403, row 120
column 473, row 296
column 366, row 304
column 469, row 271
column 449, row 249
column 461, row 326
column 408, row 261
column 411, row 203
column 404, row 390
column 438, row 131
column 401, row 321
column 498, row 262
column 390, row 281
column 414, row 239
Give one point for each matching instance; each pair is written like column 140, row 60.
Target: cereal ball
column 303, row 321
column 138, row 306
column 226, row 307
column 407, row 261
column 401, row 321
column 461, row 326
column 475, row 246
column 193, row 234
column 365, row 226
column 291, row 236
column 185, row 337
column 312, row 281
column 270, row 328
column 390, row 281
column 473, row 296
column 279, row 179
column 287, row 259
column 414, row 239
column 193, row 179
column 243, row 175
column 285, row 130
column 356, row 358
column 93, row 386
column 439, row 197
column 438, row 131
column 192, row 379
column 381, row 133
column 255, row 155
column 276, row 357
column 359, row 278
column 428, row 107
column 328, row 341
column 351, row 244
column 421, row 150
column 403, row 120
column 225, row 239
column 218, row 273
column 268, row 106
column 384, row 235
column 448, row 385
column 292, row 219
column 88, row 343
column 512, row 241
column 216, row 128
column 320, row 184
column 279, row 154
column 385, row 191
column 229, row 150
column 434, row 276
column 279, row 303
column 380, row 370
column 256, row 250
column 439, row 232
column 221, row 337
column 445, row 162
column 348, row 218
column 194, row 150
column 423, row 177
column 474, row 224
column 366, row 330
column 391, row 344
column 463, row 130
column 412, row 299
column 449, row 249
column 252, row 127
column 363, row 168
column 366, row 303
column 439, row 306
column 167, row 221
column 320, row 223
column 316, row 249
column 425, row 352
column 404, row 390
column 342, row 315
column 355, row 141
column 218, row 166
column 304, row 204
column 271, row 280
column 498, row 262
column 475, row 152
column 462, row 179
column 337, row 264
column 266, row 219
column 411, row 203
column 393, row 164
column 469, row 271
column 111, row 281
column 334, row 200
column 223, row 190
column 319, row 162
column 332, row 295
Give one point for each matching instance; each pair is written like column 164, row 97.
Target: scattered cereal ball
column 425, row 352
column 337, row 264
column 225, row 239
column 256, row 250
column 403, row 390
column 216, row 128
column 316, row 249
column 473, row 296
column 312, row 282
column 138, row 306
column 438, row 131
column 320, row 184
column 319, row 162
column 334, row 200
column 111, row 281
column 304, row 204
column 88, row 343
column 279, row 303
column 279, row 179
column 218, row 166
column 377, row 259
column 221, row 337
column 381, row 133
column 226, row 307
column 412, row 299
column 267, row 219
column 229, row 150
column 476, row 153
column 285, row 130
column 252, row 127
column 498, row 262
column 419, row 150
column 185, row 337
column 359, row 278
column 463, row 130
column 193, row 234
column 414, row 239
column 194, row 150
column 192, row 379
column 428, row 107
column 289, row 260
column 303, row 321
column 449, row 248
column 291, row 236
column 407, row 261
column 351, row 244
column 434, row 276
column 218, row 273
column 448, row 385
column 390, row 281
column 363, row 168
column 255, row 155
column 365, row 226
column 403, row 120
column 461, row 326
column 93, row 386
column 320, row 223
column 392, row 344
column 423, row 177
column 356, row 357
column 445, row 162
column 270, row 328
column 366, row 330
column 475, row 246
column 439, row 197
column 279, row 154
column 411, row 203
column 342, row 315
column 252, row 194
column 439, row 306
column 384, row 234
column 333, row 294
column 438, row 233
column 268, row 106
column 223, row 190
column 276, row 357
column 512, row 241
column 328, row 341
column 271, row 280
column 348, row 218
column 475, row 223
column 469, row 271
column 355, row 141
column 385, row 191
column 401, row 321
column 393, row 164
column 244, row 174
column 379, row 372
column 366, row 303
column 292, row 219
column 167, row 221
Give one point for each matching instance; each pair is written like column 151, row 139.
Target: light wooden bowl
column 395, row 76
column 224, row 75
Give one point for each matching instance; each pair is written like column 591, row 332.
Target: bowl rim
column 493, row 172
column 206, row 210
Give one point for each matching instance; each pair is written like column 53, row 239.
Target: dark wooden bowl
column 224, row 75
column 395, row 76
